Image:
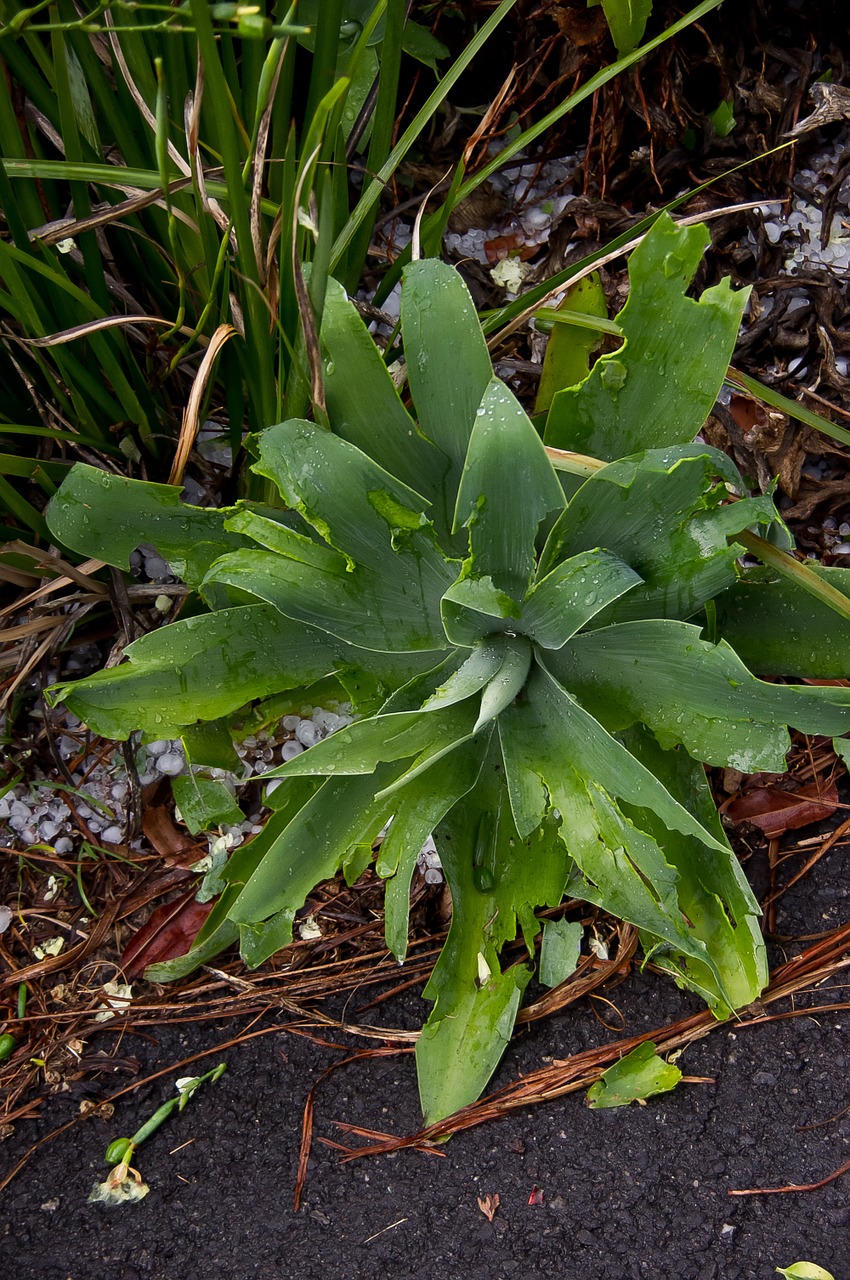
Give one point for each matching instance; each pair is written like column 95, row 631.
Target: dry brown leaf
column 774, row 811
column 488, row 1205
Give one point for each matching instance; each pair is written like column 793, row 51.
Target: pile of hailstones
column 34, row 814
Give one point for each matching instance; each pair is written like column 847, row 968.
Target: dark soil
column 633, row 1192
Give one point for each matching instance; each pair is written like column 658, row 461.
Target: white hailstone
column 290, row 723
column 63, row 845
column 433, row 876
column 5, row 918
column 843, row 549
column 536, row 219
column 289, row 751
column 273, row 785
column 118, row 791
column 307, row 733
column 47, row 830
column 158, row 748
column 171, row 763
column 112, row 835
column 325, row 721
column 4, row 807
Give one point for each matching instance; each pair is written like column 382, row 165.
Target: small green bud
column 117, row 1150
column 8, row 1044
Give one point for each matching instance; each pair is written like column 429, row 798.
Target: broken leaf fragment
column 559, row 951
column 122, row 1184
column 50, row 947
column 636, row 1077
column 805, row 1271
column 488, row 1205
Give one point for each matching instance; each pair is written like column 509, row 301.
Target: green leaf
column 360, row 747
column 204, row 803
column 576, row 590
column 286, row 542
column 627, row 20
column 712, row 889
column 201, row 669
column 507, row 490
column 285, row 802
column 661, row 513
column 448, row 365
column 548, row 733
column 393, row 612
column 365, row 408
column 312, row 847
column 473, row 609
column 640, row 1074
column 568, row 351
column 508, row 682
column 172, row 970
column 475, row 1003
column 421, row 806
column 352, row 502
column 659, row 387
column 471, row 676
column 559, row 951
column 105, row 516
column 805, row 1271
column 211, row 743
column 780, row 630
column 694, row 693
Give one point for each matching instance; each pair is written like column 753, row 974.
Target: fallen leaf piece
column 168, row 933
column 117, row 997
column 204, row 803
column 536, row 1198
column 636, row 1077
column 805, row 1271
column 775, row 811
column 488, row 1205
column 50, row 947
column 560, row 951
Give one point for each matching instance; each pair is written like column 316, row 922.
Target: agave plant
column 534, row 679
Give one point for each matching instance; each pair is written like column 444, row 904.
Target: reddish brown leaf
column 158, row 825
column 169, row 932
column 501, row 247
column 774, row 811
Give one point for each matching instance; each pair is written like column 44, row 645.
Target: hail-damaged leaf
column 639, row 1075
column 107, row 516
column 694, row 693
column 658, row 388
column 661, row 512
